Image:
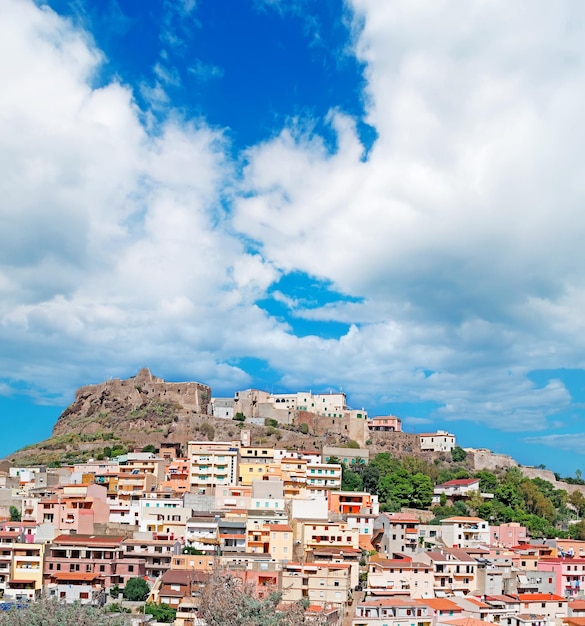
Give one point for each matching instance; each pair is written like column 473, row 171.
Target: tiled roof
column 71, row 576
column 540, row 597
column 459, row 482
column 441, row 604
column 83, row 540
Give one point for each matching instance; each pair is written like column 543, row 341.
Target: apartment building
column 233, row 497
column 76, row 509
column 320, row 584
column 212, row 464
column 465, row 532
column 176, row 476
column 391, row 612
column 156, row 555
column 569, row 574
column 401, row 577
column 315, row 534
column 508, row 535
column 26, row 572
column 80, row 567
column 202, row 533
column 162, row 514
column 454, row 571
column 8, row 539
column 396, row 533
column 322, row 478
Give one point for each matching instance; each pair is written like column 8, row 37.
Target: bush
column 149, row 448
column 239, row 417
column 208, row 430
column 304, row 428
column 161, row 612
column 270, row 422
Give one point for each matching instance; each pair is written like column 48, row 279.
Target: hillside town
column 288, row 521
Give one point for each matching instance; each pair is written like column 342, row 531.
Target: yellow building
column 26, row 574
column 247, row 472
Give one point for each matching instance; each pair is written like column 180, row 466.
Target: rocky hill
column 146, row 410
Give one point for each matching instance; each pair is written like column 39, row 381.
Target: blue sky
column 384, row 197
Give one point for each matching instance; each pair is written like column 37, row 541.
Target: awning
column 523, row 580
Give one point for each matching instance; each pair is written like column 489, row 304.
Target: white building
column 465, row 532
column 441, row 441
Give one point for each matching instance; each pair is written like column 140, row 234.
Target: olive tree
column 52, row 612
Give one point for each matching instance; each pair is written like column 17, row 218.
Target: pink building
column 507, row 535
column 76, row 509
column 570, row 574
column 385, row 423
column 78, row 567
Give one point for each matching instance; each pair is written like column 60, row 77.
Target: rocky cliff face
column 125, row 414
column 134, row 403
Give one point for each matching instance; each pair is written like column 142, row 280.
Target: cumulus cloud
column 458, row 238
column 462, row 230
column 112, row 250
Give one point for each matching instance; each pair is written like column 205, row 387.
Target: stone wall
column 483, row 459
column 347, row 428
column 533, row 472
column 119, row 396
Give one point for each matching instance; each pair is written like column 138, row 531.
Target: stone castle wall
column 345, row 427
column 143, row 387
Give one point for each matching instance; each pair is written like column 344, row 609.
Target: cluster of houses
column 279, row 521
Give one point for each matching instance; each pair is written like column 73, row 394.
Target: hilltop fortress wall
column 189, row 397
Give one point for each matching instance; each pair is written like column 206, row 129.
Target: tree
column 422, row 494
column 370, row 478
column 225, row 601
column 136, row 590
column 488, row 482
column 239, row 417
column 14, row 514
column 350, row 481
column 578, row 501
column 51, row 612
column 458, row 454
column 149, row 448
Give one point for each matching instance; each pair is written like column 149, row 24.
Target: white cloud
column 463, row 230
column 461, row 234
column 113, row 252
column 573, row 442
column 205, row 71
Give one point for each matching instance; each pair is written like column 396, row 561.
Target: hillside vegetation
column 408, row 482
